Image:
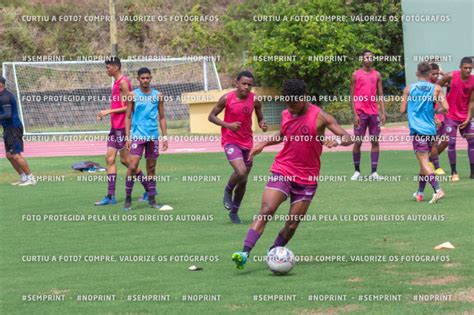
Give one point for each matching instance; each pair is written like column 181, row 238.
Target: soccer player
column 296, row 167
column 237, row 137
column 116, row 138
column 366, row 87
column 145, row 104
column 461, row 104
column 440, row 128
column 418, row 100
column 13, row 136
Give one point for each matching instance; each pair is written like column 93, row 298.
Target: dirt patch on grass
column 452, row 265
column 356, row 279
column 332, row 310
column 464, row 296
column 436, row 280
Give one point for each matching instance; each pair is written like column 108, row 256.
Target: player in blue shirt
column 13, row 135
column 418, row 100
column 144, row 107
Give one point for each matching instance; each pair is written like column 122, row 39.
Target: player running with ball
column 237, row 137
column 144, row 106
column 296, row 167
column 418, row 100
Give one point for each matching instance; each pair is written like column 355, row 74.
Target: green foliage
column 343, row 113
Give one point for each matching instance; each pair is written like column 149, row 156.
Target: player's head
column 434, row 74
column 113, row 65
column 144, row 77
column 294, row 92
column 423, row 70
column 466, row 66
column 2, row 82
column 244, row 82
column 367, row 57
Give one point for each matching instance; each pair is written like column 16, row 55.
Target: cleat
column 234, row 218
column 432, row 165
column 143, row 198
column 240, row 259
column 375, row 176
column 28, row 182
column 439, row 171
column 356, row 176
column 18, row 182
column 418, row 196
column 455, row 178
column 227, row 199
column 127, row 206
column 437, row 196
column 106, row 201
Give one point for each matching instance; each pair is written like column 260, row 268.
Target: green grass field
column 216, row 239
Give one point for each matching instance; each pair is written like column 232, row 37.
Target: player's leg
column 17, row 168
column 359, row 133
column 110, row 155
column 151, row 155
column 468, row 134
column 374, row 133
column 125, row 158
column 21, row 163
column 436, row 150
column 422, row 154
column 239, row 191
column 451, row 131
column 13, row 139
column 133, row 160
column 301, row 196
column 274, row 194
column 236, row 160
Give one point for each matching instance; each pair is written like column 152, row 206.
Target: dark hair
column 434, row 66
column 245, row 73
column 294, row 87
column 114, row 60
column 466, row 60
column 143, row 71
column 424, row 68
column 367, row 51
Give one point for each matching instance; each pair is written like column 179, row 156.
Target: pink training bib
column 237, row 110
column 365, row 92
column 117, row 120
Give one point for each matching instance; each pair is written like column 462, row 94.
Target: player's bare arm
column 356, row 116
column 381, row 98
column 469, row 112
column 342, row 136
column 446, row 80
column 403, row 105
column 163, row 126
column 258, row 148
column 258, row 111
column 128, row 118
column 441, row 100
column 234, row 126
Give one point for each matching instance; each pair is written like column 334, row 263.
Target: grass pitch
column 345, row 222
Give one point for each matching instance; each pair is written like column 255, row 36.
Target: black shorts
column 13, row 139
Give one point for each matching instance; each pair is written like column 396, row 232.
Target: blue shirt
column 144, row 117
column 6, row 97
column 421, row 109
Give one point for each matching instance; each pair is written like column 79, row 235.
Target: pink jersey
column 237, row 110
column 458, row 97
column 117, row 120
column 365, row 92
column 300, row 156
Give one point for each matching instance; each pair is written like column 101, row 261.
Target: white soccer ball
column 280, row 260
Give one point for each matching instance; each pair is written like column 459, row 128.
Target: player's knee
column 266, row 211
column 15, row 157
column 109, row 160
column 242, row 174
column 375, row 144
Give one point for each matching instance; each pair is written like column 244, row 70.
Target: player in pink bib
column 295, row 170
column 366, row 90
column 442, row 142
column 461, row 104
column 116, row 138
column 237, row 137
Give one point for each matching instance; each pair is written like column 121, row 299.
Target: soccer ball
column 280, row 260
